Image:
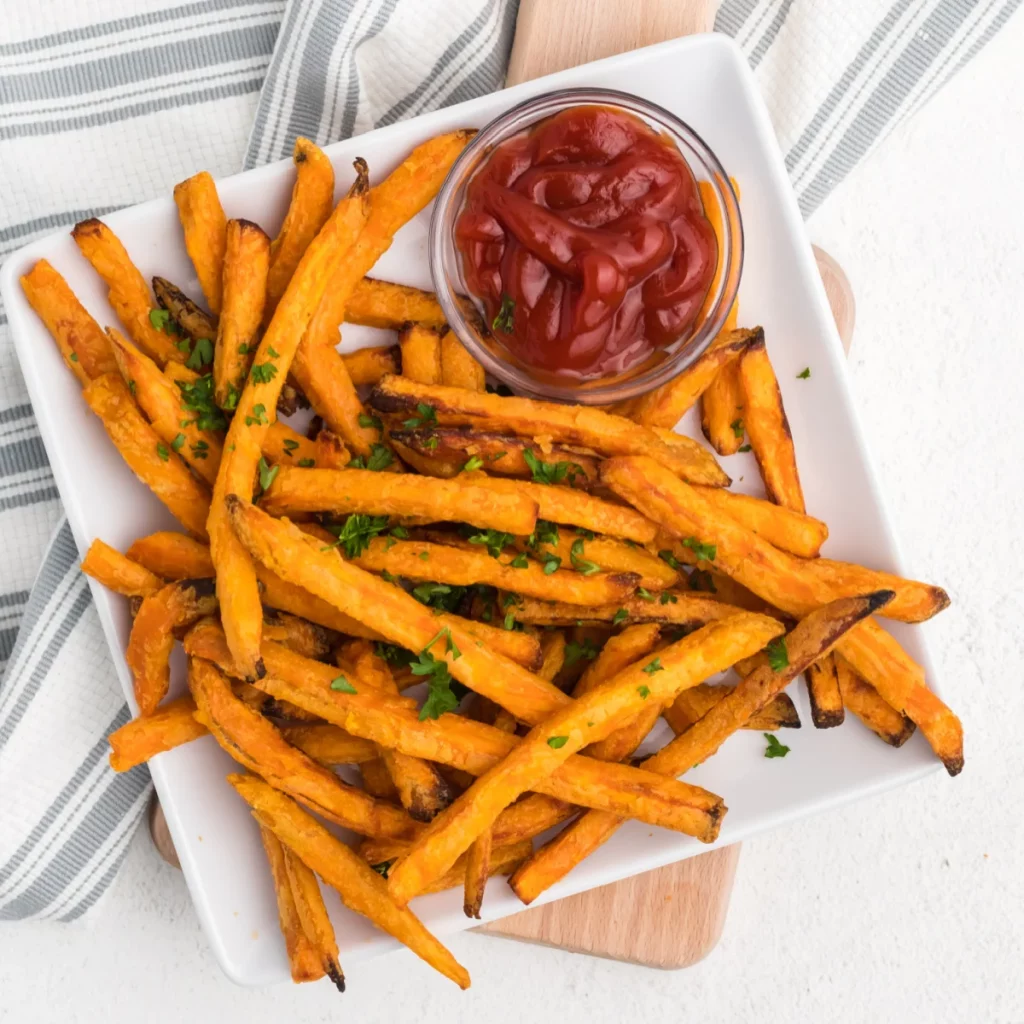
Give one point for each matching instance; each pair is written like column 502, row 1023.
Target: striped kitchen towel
column 104, row 103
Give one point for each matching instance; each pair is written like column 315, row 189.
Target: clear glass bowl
column 465, row 313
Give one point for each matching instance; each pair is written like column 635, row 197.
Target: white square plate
column 705, row 81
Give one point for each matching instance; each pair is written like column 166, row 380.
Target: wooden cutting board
column 672, row 917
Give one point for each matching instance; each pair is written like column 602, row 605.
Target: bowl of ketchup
column 586, row 246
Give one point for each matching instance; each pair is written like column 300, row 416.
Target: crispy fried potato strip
column 375, row 303
column 367, row 492
column 360, row 887
column 865, row 702
column 792, row 531
column 80, row 339
column 312, row 914
column 205, row 227
column 310, row 206
column 687, row 610
column 369, row 365
column 695, row 703
column 121, row 573
column 171, row 608
column 823, row 693
column 149, row 458
column 813, row 636
column 458, row 368
column 721, row 411
column 664, row 406
column 188, row 315
column 127, row 291
column 421, row 354
column 170, row 725
column 243, row 296
column 575, row 425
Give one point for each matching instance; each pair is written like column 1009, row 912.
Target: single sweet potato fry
column 695, row 703
column 80, row 339
column 161, row 401
column 329, row 745
column 686, row 610
column 121, row 573
column 170, row 725
column 458, row 368
column 243, row 296
column 127, row 292
column 310, row 206
column 792, row 531
column 369, row 493
column 866, row 703
column 764, row 417
column 664, row 406
column 188, row 315
column 376, row 303
column 369, row 365
column 205, row 227
column 312, row 914
column 150, row 458
column 421, row 354
column 171, row 608
column 823, row 693
column 721, row 411
column 303, row 958
column 360, row 887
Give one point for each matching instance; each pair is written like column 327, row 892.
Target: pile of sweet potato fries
column 582, row 571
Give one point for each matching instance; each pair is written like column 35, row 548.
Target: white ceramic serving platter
column 705, row 81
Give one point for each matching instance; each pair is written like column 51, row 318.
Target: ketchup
column 586, row 240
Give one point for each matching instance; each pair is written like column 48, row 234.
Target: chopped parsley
column 774, row 748
column 202, row 354
column 557, row 742
column 307, row 463
column 162, row 321
column 356, row 533
column 519, row 562
column 370, row 422
column 258, row 417
column 442, row 596
column 197, row 397
column 552, row 472
column 579, row 563
column 654, row 666
column 178, row 442
column 263, row 373
column 243, row 349
column 503, row 319
column 432, row 442
column 440, row 695
column 575, row 652
column 267, row 473
column 778, row 656
column 383, row 867
column 379, row 459
column 400, row 532
column 424, row 414
column 620, row 617
column 543, row 533
column 272, row 353
column 131, row 387
column 231, row 401
column 737, row 428
column 494, row 540
column 644, row 691
column 667, row 598
column 200, row 450
column 705, row 552
column 803, row 375
column 473, row 463
column 73, row 357
column 342, row 685
column 289, row 446
column 644, row 594
column 551, row 563
column 744, row 448
column 671, row 560
column 161, row 450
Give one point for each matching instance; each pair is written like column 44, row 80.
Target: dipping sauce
column 586, row 241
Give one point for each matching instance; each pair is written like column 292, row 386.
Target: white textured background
column 910, row 907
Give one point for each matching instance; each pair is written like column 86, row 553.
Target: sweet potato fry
column 421, row 789
column 721, row 411
column 80, row 339
column 864, row 701
column 573, row 508
column 445, row 450
column 916, row 602
column 188, row 315
column 303, row 958
column 813, row 637
column 312, row 914
column 664, row 406
column 369, row 493
column 792, row 531
column 243, row 296
column 117, row 572
column 329, row 745
column 172, row 556
column 236, row 578
column 360, row 887
column 553, row 647
column 287, row 447
column 377, row 780
column 575, row 425
column 257, row 745
column 764, row 417
column 419, row 560
column 421, row 354
column 147, row 455
column 469, row 746
column 458, row 368
column 369, row 365
column 171, row 608
column 695, row 703
column 127, row 291
column 687, row 610
column 785, row 582
column 310, row 206
column 300, row 635
column 823, row 693
column 377, row 303
column 171, row 725
column 583, row 553
column 205, row 227
column 617, row 655
column 161, row 401
column 589, row 719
